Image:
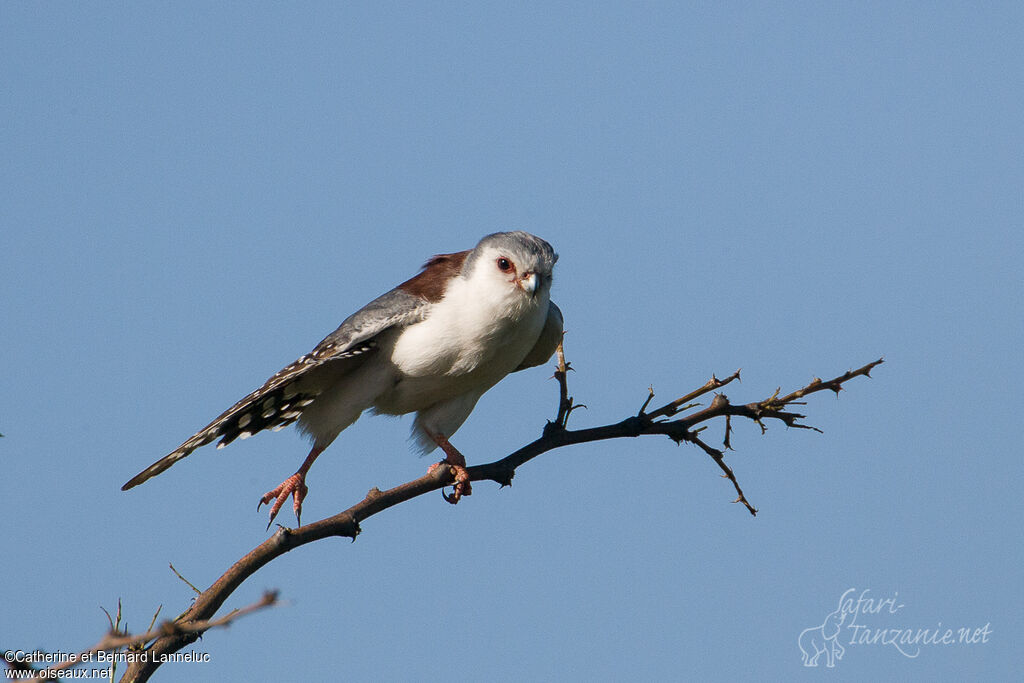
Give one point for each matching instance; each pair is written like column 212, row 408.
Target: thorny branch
column 662, row 420
column 115, row 639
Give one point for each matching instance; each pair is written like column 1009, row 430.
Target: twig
column 184, row 580
column 565, row 401
column 670, row 409
column 116, row 639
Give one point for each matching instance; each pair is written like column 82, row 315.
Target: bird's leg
column 294, row 486
column 457, row 462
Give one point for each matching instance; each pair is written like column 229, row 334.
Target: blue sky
column 195, row 194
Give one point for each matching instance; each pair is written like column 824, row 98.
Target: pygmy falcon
column 432, row 345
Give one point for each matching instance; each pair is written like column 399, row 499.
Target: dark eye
column 504, row 265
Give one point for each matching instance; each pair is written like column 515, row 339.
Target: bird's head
column 516, row 266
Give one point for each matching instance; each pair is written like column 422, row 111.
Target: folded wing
column 281, row 400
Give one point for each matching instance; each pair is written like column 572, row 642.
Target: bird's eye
column 504, row 265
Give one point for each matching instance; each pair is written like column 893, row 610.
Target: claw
column 462, row 485
column 457, row 462
column 294, row 486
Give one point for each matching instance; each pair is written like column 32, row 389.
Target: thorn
column 109, row 619
column 650, row 397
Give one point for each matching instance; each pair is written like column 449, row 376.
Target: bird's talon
column 462, row 486
column 457, row 467
column 294, row 486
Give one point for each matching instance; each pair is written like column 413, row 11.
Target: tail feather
column 260, row 410
column 275, row 405
column 157, row 467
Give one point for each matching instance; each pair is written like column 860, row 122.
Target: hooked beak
column 529, row 282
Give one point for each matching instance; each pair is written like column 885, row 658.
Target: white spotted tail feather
column 275, row 405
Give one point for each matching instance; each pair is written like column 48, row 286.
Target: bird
column 433, row 346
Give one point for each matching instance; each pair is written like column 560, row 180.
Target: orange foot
column 457, row 462
column 294, row 486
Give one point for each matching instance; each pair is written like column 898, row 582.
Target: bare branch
column 565, row 401
column 183, row 579
column 116, row 639
column 190, row 625
column 719, row 458
column 670, row 409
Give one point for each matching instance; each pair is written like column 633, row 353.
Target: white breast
column 478, row 333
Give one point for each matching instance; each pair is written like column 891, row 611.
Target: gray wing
column 547, row 342
column 281, row 400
